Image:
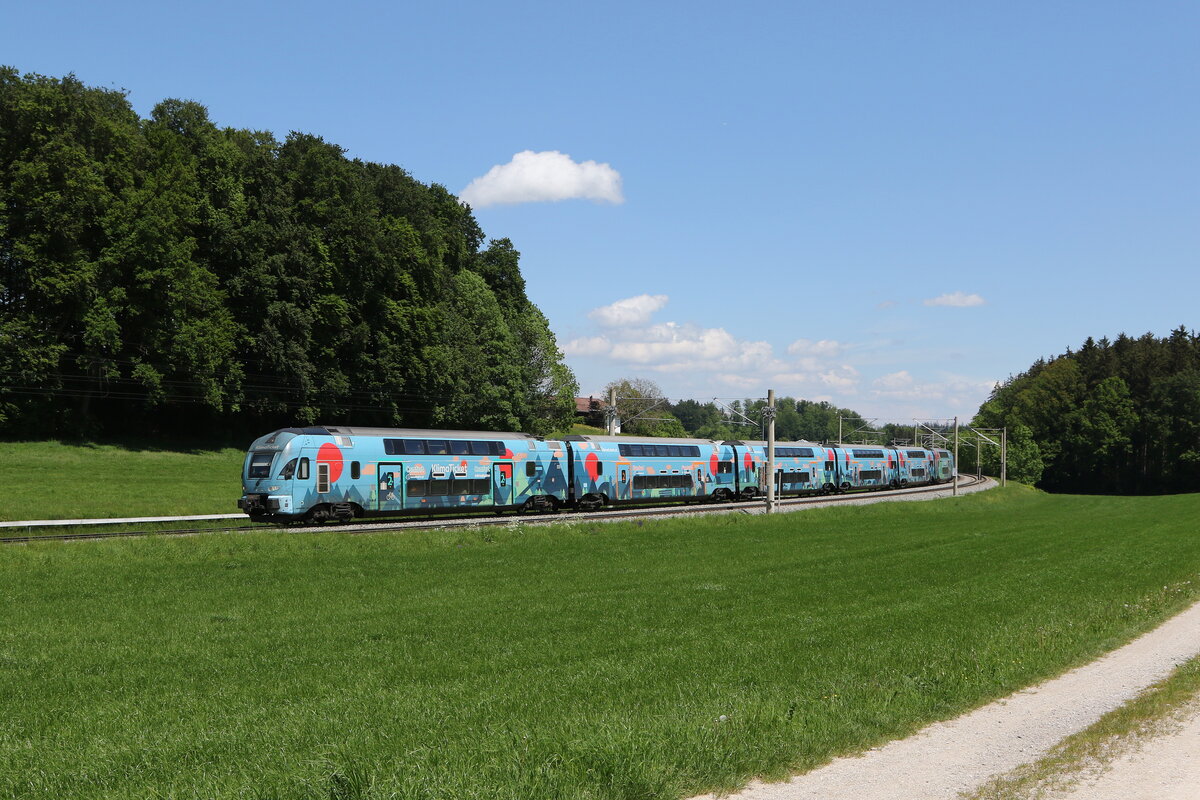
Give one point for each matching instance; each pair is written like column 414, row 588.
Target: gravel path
column 1165, row 767
column 950, row 757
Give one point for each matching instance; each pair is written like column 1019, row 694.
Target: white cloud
column 543, row 177
column 588, row 346
column 843, row 378
column 955, row 391
column 894, row 381
column 630, row 311
column 825, row 348
column 886, row 304
column 956, row 300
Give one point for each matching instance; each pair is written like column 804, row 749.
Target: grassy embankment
column 581, row 661
column 52, row 480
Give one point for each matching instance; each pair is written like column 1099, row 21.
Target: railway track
column 756, row 506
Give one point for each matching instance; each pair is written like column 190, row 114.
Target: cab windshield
column 260, row 465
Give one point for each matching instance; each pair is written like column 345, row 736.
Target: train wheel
column 591, row 502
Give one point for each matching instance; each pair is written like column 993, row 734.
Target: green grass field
column 587, row 660
column 52, row 480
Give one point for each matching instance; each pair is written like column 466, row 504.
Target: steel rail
column 447, row 523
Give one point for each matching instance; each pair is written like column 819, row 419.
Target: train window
column 355, row 471
column 870, row 475
column 829, row 465
column 289, row 470
column 480, row 449
column 916, row 454
column 599, row 468
column 414, row 447
column 302, row 470
column 725, row 467
column 460, row 447
column 917, row 472
column 530, row 469
column 322, row 477
column 439, row 487
column 498, row 448
column 260, row 465
column 392, row 446
column 437, row 447
column 417, row 488
column 675, row 451
column 867, row 453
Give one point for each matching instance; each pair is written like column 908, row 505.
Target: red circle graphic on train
column 331, row 455
column 592, row 462
column 713, row 463
column 748, row 461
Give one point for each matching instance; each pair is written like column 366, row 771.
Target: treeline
column 643, row 414
column 167, row 276
column 1118, row 416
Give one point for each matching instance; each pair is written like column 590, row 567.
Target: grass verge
column 1155, row 712
column 53, row 480
column 589, row 660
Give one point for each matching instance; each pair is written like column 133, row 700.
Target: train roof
column 401, row 433
column 635, row 439
column 778, row 442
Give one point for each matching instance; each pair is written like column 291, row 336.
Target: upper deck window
column 442, row 447
column 794, row 452
column 867, row 453
column 660, row 450
column 260, row 465
column 917, row 454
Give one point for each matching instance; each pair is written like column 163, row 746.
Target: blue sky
column 887, row 205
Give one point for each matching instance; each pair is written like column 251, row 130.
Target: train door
column 502, row 488
column 624, row 492
column 390, row 494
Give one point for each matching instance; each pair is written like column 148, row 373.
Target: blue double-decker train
column 339, row 473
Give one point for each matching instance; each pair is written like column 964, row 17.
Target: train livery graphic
column 339, row 473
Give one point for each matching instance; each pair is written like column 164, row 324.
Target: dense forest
column 1118, row 416
column 169, row 277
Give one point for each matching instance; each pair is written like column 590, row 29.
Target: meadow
column 586, row 660
column 55, row 480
